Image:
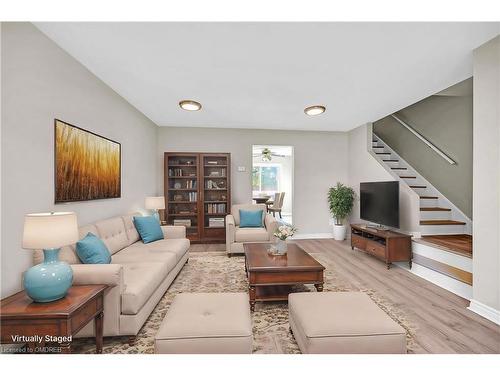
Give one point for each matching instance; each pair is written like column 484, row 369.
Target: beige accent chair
column 277, row 205
column 236, row 236
column 138, row 276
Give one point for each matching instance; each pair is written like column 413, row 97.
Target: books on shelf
column 182, row 222
column 193, row 196
column 216, row 208
column 216, row 222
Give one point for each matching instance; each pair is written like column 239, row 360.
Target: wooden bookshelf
column 197, row 187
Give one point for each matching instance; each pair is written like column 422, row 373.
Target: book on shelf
column 193, row 196
column 216, row 208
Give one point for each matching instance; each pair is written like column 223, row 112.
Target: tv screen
column 379, row 202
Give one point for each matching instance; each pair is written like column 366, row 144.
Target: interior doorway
column 272, row 173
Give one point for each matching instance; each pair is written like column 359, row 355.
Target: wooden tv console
column 388, row 245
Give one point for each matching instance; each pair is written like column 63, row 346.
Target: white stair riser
column 442, row 229
column 429, row 202
column 435, row 215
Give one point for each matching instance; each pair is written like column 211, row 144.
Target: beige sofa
column 138, row 276
column 236, row 236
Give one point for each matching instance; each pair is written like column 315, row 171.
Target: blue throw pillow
column 251, row 219
column 149, row 228
column 91, row 250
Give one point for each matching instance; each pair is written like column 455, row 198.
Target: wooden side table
column 52, row 324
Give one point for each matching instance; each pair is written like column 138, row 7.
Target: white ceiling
column 263, row 75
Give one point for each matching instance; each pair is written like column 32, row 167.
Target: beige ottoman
column 206, row 323
column 343, row 322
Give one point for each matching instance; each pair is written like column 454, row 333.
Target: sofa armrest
column 109, row 274
column 230, row 230
column 271, row 225
column 174, row 231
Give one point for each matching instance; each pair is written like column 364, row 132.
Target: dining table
column 261, row 199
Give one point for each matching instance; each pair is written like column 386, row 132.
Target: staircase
column 437, row 214
column 438, row 218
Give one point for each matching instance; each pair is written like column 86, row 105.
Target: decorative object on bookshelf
column 198, row 202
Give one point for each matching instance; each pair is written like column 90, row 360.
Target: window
column 265, row 178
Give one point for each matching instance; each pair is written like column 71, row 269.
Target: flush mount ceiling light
column 315, row 110
column 190, row 105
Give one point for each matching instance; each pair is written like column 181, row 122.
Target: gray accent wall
column 447, row 122
column 40, row 82
column 320, row 160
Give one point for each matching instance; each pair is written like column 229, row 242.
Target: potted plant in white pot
column 340, row 200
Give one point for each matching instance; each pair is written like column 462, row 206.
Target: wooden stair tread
column 408, row 176
column 434, row 209
column 427, row 197
column 377, row 146
column 399, row 168
column 391, row 160
column 383, row 153
column 441, row 222
column 460, row 244
column 418, row 186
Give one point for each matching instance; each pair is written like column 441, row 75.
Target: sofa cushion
column 140, row 281
column 176, row 246
column 251, row 234
column 149, row 228
column 91, row 250
column 137, row 254
column 235, row 211
column 132, row 234
column 112, row 232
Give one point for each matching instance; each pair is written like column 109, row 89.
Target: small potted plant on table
column 341, row 201
column 282, row 233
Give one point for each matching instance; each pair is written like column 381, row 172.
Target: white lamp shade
column 50, row 230
column 155, row 203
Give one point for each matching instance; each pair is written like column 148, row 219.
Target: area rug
column 215, row 272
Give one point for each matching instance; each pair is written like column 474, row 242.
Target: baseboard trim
column 310, row 236
column 485, row 311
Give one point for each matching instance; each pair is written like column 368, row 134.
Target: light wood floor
column 441, row 321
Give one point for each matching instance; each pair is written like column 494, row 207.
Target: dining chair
column 278, row 204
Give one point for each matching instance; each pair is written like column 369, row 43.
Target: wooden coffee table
column 271, row 277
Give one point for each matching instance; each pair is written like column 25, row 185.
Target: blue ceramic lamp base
column 50, row 280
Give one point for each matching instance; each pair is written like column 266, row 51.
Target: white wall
column 320, row 160
column 41, row 82
column 486, row 177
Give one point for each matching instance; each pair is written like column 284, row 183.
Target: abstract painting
column 87, row 165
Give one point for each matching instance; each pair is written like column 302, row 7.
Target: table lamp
column 155, row 204
column 50, row 280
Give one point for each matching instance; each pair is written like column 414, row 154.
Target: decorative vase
column 50, row 280
column 339, row 232
column 281, row 247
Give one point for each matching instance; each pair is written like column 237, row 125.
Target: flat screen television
column 379, row 202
